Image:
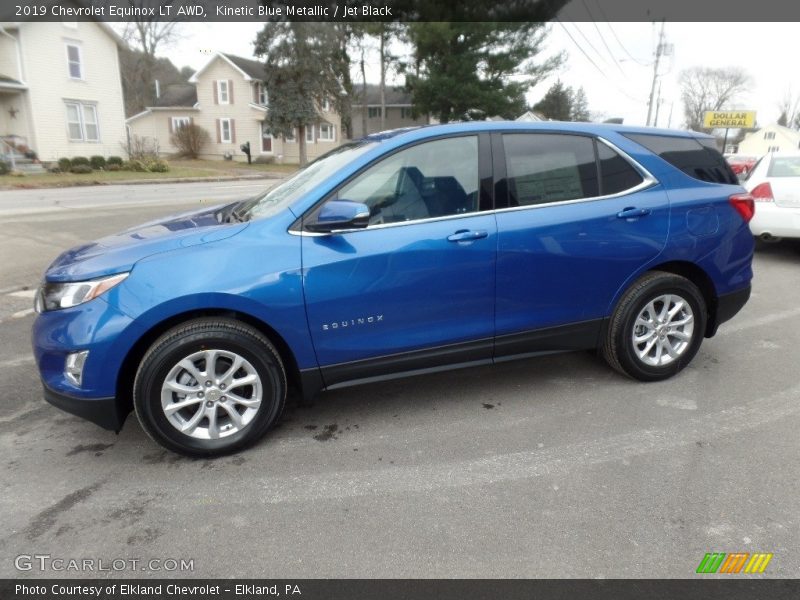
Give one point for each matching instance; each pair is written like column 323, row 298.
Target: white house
column 227, row 98
column 60, row 89
column 772, row 138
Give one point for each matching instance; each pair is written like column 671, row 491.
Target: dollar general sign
column 745, row 119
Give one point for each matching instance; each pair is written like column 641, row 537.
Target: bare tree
column 789, row 109
column 706, row 88
column 145, row 37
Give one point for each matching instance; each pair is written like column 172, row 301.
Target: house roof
column 395, row 96
column 250, row 69
column 253, row 68
column 177, row 94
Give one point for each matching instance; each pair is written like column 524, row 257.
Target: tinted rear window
column 697, row 157
column 784, row 166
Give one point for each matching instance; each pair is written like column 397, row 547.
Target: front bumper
column 105, row 412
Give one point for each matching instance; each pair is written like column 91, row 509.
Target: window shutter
column 255, row 93
column 219, row 132
column 233, row 131
column 230, row 91
column 216, row 92
column 169, row 121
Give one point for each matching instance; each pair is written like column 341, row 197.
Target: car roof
column 560, row 126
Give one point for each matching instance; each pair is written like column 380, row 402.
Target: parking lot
column 549, row 467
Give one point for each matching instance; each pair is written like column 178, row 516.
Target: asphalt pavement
column 548, row 467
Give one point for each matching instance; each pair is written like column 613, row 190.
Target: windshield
column 303, row 181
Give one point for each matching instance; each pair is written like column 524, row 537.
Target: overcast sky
column 618, row 83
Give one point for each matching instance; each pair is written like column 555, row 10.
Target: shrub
column 114, row 160
column 64, row 164
column 135, row 165
column 113, row 167
column 4, row 168
column 189, row 140
column 264, row 160
column 80, row 160
column 157, row 166
column 143, row 148
column 55, row 169
column 80, row 169
column 97, row 162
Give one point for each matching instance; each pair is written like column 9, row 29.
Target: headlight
column 54, row 296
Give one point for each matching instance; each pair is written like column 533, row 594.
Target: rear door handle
column 467, row 235
column 632, row 212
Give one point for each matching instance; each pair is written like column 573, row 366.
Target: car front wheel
column 208, row 387
column 657, row 327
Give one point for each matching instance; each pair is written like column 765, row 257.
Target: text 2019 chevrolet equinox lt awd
column 404, row 252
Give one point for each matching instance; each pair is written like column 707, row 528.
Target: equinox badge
column 352, row 322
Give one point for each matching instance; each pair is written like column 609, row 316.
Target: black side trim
column 727, row 306
column 104, row 412
column 562, row 338
column 414, row 361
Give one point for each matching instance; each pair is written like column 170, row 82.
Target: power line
column 594, row 64
column 602, row 39
column 614, row 33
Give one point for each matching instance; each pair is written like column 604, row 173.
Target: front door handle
column 467, row 235
column 632, row 212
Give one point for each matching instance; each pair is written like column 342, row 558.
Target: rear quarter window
column 697, row 157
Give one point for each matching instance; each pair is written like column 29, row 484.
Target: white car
column 774, row 184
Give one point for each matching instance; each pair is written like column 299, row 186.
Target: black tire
column 619, row 349
column 198, row 335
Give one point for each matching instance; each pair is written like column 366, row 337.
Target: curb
column 266, row 175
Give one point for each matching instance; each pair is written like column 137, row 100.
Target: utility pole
column 659, row 100
column 659, row 51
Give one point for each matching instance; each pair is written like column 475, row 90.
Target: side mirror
column 340, row 214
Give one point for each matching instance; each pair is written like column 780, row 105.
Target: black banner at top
column 399, row 10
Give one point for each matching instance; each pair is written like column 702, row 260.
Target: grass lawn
column 178, row 169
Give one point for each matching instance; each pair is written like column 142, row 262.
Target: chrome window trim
column 648, row 181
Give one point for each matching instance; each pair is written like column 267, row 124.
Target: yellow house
column 227, row 98
column 60, row 89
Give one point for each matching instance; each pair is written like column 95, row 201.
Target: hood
column 119, row 252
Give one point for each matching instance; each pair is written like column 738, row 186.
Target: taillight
column 744, row 205
column 763, row 193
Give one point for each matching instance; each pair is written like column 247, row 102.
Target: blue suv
column 401, row 253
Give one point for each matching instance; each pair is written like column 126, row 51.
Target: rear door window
column 616, row 173
column 697, row 157
column 545, row 168
column 784, row 166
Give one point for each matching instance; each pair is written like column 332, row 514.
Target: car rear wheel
column 657, row 327
column 209, row 387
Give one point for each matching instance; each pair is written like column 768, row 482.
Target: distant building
column 60, row 89
column 227, row 98
column 772, row 138
column 398, row 110
column 530, row 117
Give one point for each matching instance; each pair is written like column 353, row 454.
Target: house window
column 222, row 91
column 769, row 135
column 290, row 137
column 82, row 123
column 326, row 105
column 225, row 131
column 327, row 132
column 405, row 113
column 266, row 139
column 773, row 149
column 74, row 63
column 261, row 94
column 310, row 134
column 374, row 112
column 178, row 122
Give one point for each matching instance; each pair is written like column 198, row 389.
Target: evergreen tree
column 556, row 103
column 472, row 70
column 302, row 62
